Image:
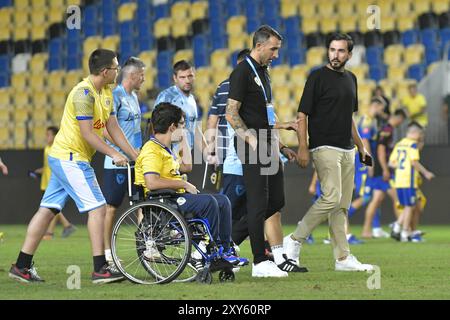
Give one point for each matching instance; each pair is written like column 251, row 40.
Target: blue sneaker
column 354, row 240
column 416, row 238
column 310, row 239
column 232, row 256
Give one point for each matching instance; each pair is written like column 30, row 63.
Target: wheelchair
column 153, row 242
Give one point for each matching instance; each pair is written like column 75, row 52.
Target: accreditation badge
column 271, row 118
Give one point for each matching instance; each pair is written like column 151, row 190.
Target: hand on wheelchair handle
column 120, row 160
column 190, row 188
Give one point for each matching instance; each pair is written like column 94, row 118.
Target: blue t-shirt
column 128, row 113
column 174, row 96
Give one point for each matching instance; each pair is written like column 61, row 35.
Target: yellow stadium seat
column 20, row 136
column 149, row 75
column 5, row 116
column 203, row 77
column 55, row 80
column 111, row 43
column 39, row 19
column 219, row 75
column 414, row 54
column 74, row 2
column 21, row 4
column 38, row 133
column 39, row 32
column 199, row 10
column 39, row 4
column 5, row 33
column 72, row 78
column 421, row 6
column 326, row 9
column 307, row 9
column 237, row 42
column 162, row 27
column 186, row 54
column 388, row 87
column 19, row 81
column 220, row 59
column 279, row 75
column 402, row 88
column 205, row 97
column 39, row 99
column 362, row 5
column 21, row 17
column 38, row 62
column 297, row 92
column 181, row 28
column 148, row 57
column 388, row 23
column 310, row 24
column 56, row 15
column 393, row 55
column 315, row 56
column 402, row 6
column 20, row 115
column 6, row 16
column 365, row 89
column 91, row 44
column 21, row 99
column 21, row 33
column 126, row 11
column 405, row 23
column 56, row 115
column 360, row 71
column 39, row 116
column 440, row 6
column 348, row 24
column 281, row 94
column 299, row 74
column 345, row 8
column 289, row 8
column 38, row 81
column 236, row 25
column 396, row 73
column 4, row 137
column 58, row 3
column 385, row 5
column 180, row 10
column 5, row 98
column 330, row 24
column 58, row 99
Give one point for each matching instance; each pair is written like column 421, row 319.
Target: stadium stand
column 41, row 59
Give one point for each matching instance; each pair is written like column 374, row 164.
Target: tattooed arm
column 235, row 120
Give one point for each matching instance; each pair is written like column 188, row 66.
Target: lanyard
column 153, row 139
column 257, row 75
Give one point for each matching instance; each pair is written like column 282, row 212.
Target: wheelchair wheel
column 151, row 243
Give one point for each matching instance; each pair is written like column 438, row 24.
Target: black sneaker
column 395, row 235
column 107, row 274
column 25, row 274
column 289, row 265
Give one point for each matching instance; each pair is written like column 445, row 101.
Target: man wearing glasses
column 128, row 113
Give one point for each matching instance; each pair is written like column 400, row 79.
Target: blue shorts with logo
column 233, row 187
column 363, row 185
column 407, row 196
column 115, row 185
column 379, row 184
column 75, row 179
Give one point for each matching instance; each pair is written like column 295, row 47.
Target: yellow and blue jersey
column 46, row 172
column 403, row 155
column 83, row 103
column 155, row 158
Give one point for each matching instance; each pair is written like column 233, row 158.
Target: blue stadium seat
column 234, row 8
column 109, row 28
column 296, row 56
column 164, row 79
column 143, row 12
column 294, row 41
column 90, row 13
column 6, row 3
column 432, row 55
column 161, row 11
column 252, row 24
column 281, row 58
column 55, row 63
column 125, row 1
column 374, row 55
column 127, row 48
column 429, row 37
column 410, row 37
column 4, row 80
column 215, row 10
column 5, row 63
column 292, row 25
column 445, row 35
column 74, row 62
column 416, row 71
column 274, row 21
column 253, row 9
column 219, row 42
column 269, row 7
column 201, row 59
column 377, row 72
column 200, row 44
column 164, row 60
column 127, row 29
column 56, row 47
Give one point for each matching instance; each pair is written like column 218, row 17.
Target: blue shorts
column 75, row 179
column 115, row 185
column 379, row 184
column 233, row 187
column 407, row 196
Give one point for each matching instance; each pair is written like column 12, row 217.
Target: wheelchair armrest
column 161, row 193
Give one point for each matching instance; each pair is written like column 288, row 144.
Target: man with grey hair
column 126, row 106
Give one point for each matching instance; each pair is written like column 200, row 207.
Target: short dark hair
column 100, row 59
column 400, row 112
column 378, row 100
column 181, row 65
column 415, row 124
column 53, row 129
column 164, row 115
column 336, row 36
column 263, row 34
column 242, row 54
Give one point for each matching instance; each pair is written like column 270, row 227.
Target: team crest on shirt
column 258, row 82
column 181, row 201
column 108, row 102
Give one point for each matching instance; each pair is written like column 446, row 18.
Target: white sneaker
column 352, row 264
column 267, row 269
column 195, row 252
column 379, row 233
column 292, row 248
column 151, row 251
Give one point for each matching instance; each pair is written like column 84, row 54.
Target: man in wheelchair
column 158, row 167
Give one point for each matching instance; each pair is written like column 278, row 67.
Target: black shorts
column 115, row 186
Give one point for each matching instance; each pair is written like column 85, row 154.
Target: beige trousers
column 335, row 170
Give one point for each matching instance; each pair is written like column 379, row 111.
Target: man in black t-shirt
column 326, row 114
column 250, row 112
